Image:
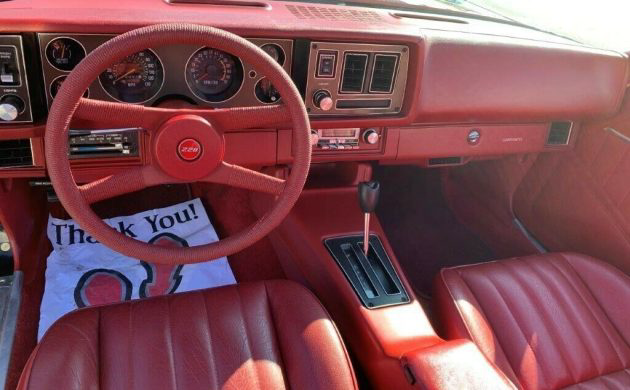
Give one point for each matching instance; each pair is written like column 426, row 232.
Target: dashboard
column 377, row 84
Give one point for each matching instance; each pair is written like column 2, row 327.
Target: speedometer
column 135, row 79
column 213, row 75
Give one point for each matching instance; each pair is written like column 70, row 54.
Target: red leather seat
column 268, row 335
column 551, row 321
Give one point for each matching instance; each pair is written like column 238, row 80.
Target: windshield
column 601, row 23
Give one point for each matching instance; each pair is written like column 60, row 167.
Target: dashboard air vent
column 441, row 161
column 559, row 133
column 15, row 153
column 325, row 13
column 353, row 76
column 383, row 73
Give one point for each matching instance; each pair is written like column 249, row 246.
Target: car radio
column 103, row 143
column 346, row 139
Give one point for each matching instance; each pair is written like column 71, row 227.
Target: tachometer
column 213, row 75
column 135, row 79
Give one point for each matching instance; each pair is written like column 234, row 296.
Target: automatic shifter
column 368, row 199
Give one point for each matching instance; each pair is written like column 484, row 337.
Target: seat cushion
column 550, row 321
column 267, row 335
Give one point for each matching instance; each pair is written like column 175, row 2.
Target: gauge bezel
column 70, row 39
column 63, row 76
column 282, row 53
column 226, row 95
column 256, row 95
column 157, row 92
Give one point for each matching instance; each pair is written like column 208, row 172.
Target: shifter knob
column 368, row 199
column 368, row 195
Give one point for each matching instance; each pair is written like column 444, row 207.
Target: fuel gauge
column 64, row 53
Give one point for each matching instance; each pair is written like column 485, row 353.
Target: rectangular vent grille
column 353, row 76
column 325, row 13
column 383, row 73
column 16, row 153
column 444, row 161
column 559, row 133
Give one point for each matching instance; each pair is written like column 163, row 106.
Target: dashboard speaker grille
column 325, row 13
column 16, row 153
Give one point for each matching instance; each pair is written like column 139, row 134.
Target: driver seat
column 265, row 335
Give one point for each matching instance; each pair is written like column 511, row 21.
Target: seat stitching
column 557, row 334
column 496, row 337
column 610, row 342
column 518, row 325
column 562, row 275
column 213, row 366
column 600, row 378
column 247, row 338
column 276, row 338
column 551, row 283
column 596, row 300
column 461, row 315
column 339, row 338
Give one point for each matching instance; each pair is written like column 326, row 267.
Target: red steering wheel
column 186, row 144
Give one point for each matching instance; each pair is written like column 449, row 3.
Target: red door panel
column 580, row 200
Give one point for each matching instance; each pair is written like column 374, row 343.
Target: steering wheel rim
column 69, row 100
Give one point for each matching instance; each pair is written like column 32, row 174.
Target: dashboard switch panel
column 15, row 104
column 361, row 79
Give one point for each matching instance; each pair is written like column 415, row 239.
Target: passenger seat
column 558, row 320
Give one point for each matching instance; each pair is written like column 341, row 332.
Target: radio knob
column 370, row 136
column 10, row 107
column 323, row 100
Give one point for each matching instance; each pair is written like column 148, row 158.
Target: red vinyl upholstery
column 551, row 321
column 456, row 364
column 267, row 335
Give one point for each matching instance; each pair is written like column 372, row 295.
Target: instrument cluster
column 202, row 75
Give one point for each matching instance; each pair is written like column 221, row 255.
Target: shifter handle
column 368, row 195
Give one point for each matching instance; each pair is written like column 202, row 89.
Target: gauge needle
column 203, row 76
column 134, row 70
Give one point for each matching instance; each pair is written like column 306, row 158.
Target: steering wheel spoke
column 237, row 176
column 150, row 118
column 112, row 114
column 248, row 117
column 124, row 182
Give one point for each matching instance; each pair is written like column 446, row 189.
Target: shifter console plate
column 372, row 277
